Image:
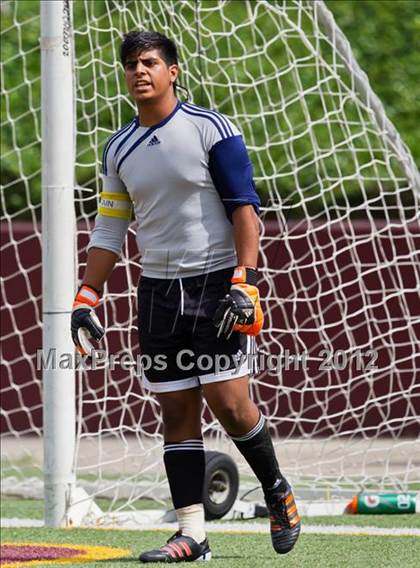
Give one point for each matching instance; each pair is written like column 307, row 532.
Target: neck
column 151, row 112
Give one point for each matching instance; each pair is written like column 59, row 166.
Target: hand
column 240, row 310
column 84, row 322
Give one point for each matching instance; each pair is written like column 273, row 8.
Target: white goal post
column 58, row 254
column 339, row 272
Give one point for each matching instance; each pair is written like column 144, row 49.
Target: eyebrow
column 142, row 59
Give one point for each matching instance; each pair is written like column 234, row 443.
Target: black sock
column 257, row 449
column 185, row 467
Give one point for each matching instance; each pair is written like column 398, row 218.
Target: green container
column 385, row 503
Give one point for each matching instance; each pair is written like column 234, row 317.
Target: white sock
column 191, row 521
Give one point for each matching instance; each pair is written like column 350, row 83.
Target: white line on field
column 214, row 527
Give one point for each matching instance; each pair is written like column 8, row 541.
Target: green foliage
column 20, row 106
column 384, row 35
column 240, row 71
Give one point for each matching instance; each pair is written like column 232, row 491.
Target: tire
column 221, row 485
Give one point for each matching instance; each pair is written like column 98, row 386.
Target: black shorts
column 178, row 340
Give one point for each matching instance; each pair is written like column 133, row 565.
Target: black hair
column 143, row 41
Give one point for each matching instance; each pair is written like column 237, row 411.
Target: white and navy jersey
column 183, row 177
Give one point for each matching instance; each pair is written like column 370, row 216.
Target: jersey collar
column 162, row 122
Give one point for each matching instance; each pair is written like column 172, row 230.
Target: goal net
column 339, row 262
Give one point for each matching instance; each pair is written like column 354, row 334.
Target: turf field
column 233, row 550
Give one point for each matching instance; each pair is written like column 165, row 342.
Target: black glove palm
column 84, row 322
column 240, row 309
column 235, row 308
column 85, row 318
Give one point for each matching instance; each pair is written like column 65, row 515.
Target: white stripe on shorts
column 246, row 367
column 170, row 386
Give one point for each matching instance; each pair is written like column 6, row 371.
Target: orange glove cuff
column 245, row 275
column 86, row 296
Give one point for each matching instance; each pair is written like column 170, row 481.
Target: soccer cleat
column 179, row 548
column 284, row 518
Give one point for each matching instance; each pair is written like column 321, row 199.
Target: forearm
column 246, row 234
column 100, row 263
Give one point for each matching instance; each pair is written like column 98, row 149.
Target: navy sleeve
column 231, row 172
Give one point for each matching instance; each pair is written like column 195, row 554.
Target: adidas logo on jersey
column 154, row 141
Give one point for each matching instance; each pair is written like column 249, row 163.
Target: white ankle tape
column 191, row 521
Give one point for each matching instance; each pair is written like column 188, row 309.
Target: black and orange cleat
column 179, row 548
column 284, row 518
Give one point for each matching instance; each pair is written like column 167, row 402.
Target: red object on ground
column 25, row 553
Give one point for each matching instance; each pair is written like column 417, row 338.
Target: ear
column 173, row 72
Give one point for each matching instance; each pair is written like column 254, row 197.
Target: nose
column 140, row 69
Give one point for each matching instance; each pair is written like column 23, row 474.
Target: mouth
column 141, row 84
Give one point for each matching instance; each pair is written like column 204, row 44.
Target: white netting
column 339, row 265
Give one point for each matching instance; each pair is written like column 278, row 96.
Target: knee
column 231, row 413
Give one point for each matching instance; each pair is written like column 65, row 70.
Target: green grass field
column 241, row 550
column 244, row 550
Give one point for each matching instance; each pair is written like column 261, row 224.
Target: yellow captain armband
column 115, row 205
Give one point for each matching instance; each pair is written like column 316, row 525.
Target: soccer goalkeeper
column 186, row 172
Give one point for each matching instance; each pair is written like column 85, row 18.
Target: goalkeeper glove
column 84, row 322
column 240, row 310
